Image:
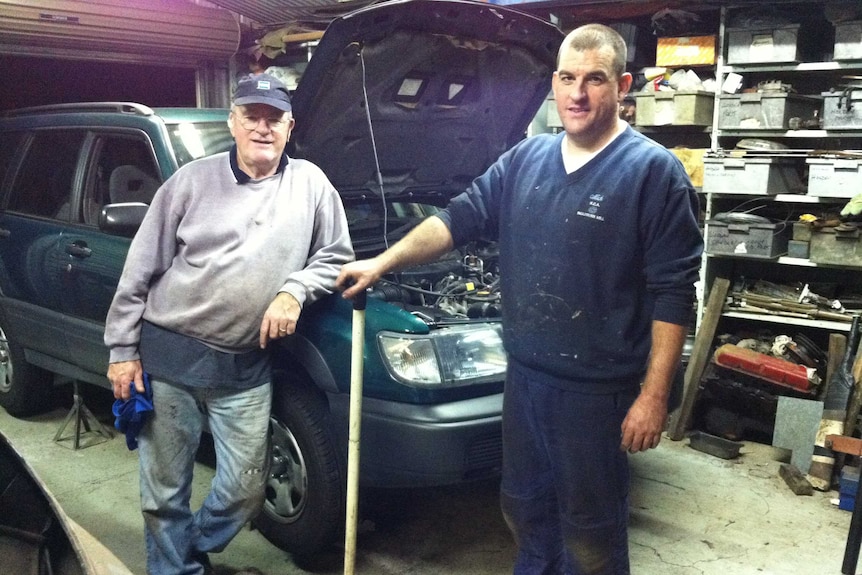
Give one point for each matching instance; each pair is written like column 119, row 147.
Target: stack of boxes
column 827, row 174
column 679, row 108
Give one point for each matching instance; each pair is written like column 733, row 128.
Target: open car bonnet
column 415, row 98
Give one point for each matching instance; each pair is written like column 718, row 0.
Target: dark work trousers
column 565, row 484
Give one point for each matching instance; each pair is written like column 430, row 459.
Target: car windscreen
column 193, row 140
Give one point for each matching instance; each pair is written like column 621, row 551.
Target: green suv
column 402, row 104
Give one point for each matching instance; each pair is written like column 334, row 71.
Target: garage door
column 112, row 30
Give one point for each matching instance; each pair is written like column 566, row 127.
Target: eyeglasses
column 252, row 122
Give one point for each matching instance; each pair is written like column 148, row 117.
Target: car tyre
column 303, row 509
column 24, row 388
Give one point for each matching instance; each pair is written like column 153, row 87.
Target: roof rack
column 119, row 107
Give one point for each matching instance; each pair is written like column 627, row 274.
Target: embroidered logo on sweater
column 594, row 208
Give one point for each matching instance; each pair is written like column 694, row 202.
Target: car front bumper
column 407, row 445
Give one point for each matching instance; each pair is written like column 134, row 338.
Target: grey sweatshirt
column 212, row 254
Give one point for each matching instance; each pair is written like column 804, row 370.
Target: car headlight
column 448, row 357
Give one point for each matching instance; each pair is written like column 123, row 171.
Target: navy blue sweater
column 588, row 259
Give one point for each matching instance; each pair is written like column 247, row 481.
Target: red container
column 772, row 369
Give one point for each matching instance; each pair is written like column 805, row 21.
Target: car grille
column 484, row 456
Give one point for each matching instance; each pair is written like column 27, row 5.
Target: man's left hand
column 280, row 318
column 644, row 424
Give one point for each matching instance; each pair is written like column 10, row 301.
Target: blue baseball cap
column 262, row 89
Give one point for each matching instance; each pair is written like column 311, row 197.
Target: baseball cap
column 262, row 89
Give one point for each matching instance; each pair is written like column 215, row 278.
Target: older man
column 232, row 247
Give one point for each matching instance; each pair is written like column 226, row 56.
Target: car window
column 44, row 183
column 193, row 140
column 122, row 169
column 9, row 144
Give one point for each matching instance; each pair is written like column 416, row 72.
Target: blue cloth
column 131, row 414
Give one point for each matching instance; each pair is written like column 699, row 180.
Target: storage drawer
column 848, row 41
column 751, row 176
column 763, row 46
column 840, row 246
column 764, row 111
column 674, row 108
column 748, row 240
column 842, row 110
column 834, row 178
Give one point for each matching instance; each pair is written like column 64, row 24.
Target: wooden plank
column 855, row 405
column 834, row 355
column 844, row 444
column 681, row 417
column 795, row 480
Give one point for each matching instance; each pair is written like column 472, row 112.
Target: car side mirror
column 122, row 219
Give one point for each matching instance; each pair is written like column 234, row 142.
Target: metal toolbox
column 764, row 110
column 834, row 178
column 842, row 109
column 764, row 45
column 751, row 176
column 674, row 108
column 747, row 239
column 840, row 245
column 848, row 40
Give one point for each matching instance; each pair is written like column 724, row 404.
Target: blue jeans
column 176, row 538
column 565, row 485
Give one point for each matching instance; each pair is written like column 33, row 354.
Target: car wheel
column 24, row 389
column 303, row 510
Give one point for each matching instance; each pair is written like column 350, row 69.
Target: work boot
column 204, row 560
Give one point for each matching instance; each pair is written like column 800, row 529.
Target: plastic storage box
column 747, row 240
column 842, row 110
column 834, row 178
column 674, row 108
column 751, row 176
column 763, row 46
column 764, row 111
column 848, row 41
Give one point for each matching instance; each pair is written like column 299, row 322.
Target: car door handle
column 4, row 233
column 79, row 250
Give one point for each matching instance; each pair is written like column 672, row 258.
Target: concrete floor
column 692, row 514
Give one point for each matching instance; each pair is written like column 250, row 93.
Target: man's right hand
column 123, row 374
column 357, row 276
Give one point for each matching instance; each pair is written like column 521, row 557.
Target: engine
column 464, row 284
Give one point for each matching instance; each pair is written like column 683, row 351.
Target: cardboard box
column 674, row 108
column 764, row 111
column 834, row 178
column 848, row 41
column 839, row 246
column 764, row 45
column 751, row 176
column 685, row 51
column 747, row 240
column 692, row 161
